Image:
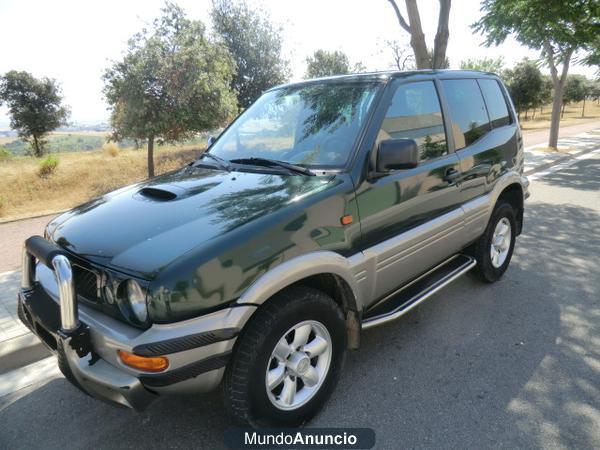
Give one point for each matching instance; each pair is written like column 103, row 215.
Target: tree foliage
column 577, row 90
column 524, row 82
column 424, row 58
column 323, row 63
column 255, row 45
column 35, row 107
column 558, row 29
column 494, row 65
column 172, row 83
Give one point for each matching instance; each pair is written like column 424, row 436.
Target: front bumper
column 86, row 341
column 76, row 359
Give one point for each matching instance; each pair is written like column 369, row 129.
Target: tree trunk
column 417, row 38
column 583, row 109
column 150, row 156
column 441, row 37
column 555, row 117
column 559, row 86
column 526, row 110
column 562, row 110
column 36, row 147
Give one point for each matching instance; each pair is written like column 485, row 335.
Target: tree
column 323, row 63
column 576, row 90
column 595, row 91
column 172, row 83
column 35, row 107
column 558, row 29
column 403, row 59
column 254, row 44
column 423, row 59
column 494, row 65
column 524, row 83
column 545, row 93
column 445, row 64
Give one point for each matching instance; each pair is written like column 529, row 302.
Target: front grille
column 86, row 283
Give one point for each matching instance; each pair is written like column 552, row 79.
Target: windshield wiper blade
column 221, row 162
column 274, row 162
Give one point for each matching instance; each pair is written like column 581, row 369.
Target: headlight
column 136, row 297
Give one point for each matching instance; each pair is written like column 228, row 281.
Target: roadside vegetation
column 539, row 118
column 31, row 187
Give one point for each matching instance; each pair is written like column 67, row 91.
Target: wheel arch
column 514, row 194
column 323, row 270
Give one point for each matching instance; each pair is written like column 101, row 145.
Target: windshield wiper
column 222, row 163
column 274, row 162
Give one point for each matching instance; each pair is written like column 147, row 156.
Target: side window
column 495, row 102
column 467, row 110
column 415, row 113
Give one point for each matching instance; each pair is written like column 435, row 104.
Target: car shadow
column 507, row 365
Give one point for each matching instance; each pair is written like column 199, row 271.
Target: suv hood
column 140, row 229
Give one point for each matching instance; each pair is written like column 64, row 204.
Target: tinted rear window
column 495, row 102
column 469, row 116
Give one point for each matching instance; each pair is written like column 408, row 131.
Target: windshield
column 311, row 125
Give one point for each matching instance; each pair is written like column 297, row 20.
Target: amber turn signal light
column 145, row 363
column 347, row 219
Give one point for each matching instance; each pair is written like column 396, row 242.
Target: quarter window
column 469, row 116
column 415, row 113
column 495, row 102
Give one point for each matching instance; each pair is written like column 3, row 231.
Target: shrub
column 110, row 149
column 5, row 154
column 48, row 166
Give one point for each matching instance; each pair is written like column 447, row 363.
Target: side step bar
column 398, row 303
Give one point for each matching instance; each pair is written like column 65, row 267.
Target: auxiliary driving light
column 145, row 363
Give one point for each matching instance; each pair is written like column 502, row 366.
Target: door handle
column 451, row 175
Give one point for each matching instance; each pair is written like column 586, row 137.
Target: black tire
column 481, row 249
column 244, row 387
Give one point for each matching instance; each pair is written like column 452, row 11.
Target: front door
column 408, row 217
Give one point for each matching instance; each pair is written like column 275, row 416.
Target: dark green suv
column 328, row 207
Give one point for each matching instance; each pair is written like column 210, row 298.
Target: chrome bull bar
column 54, row 258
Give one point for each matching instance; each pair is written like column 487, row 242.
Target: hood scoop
column 159, row 193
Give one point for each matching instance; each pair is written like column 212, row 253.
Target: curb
column 46, row 214
column 21, row 351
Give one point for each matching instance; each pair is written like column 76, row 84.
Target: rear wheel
column 494, row 248
column 288, row 359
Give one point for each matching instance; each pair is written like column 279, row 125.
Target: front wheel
column 288, row 359
column 493, row 251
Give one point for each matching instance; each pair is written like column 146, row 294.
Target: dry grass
column 79, row 177
column 572, row 116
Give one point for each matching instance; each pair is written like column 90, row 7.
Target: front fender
column 298, row 268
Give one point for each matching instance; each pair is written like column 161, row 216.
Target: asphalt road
column 515, row 364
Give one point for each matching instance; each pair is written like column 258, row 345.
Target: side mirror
column 211, row 140
column 397, row 154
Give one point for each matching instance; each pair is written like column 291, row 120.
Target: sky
column 75, row 41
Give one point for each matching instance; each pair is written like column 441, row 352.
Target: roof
column 389, row 74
